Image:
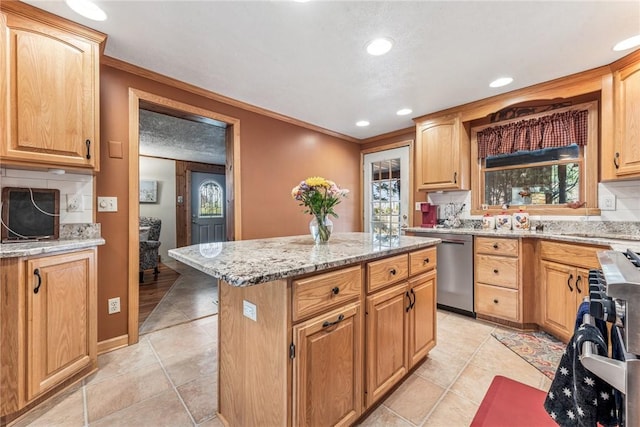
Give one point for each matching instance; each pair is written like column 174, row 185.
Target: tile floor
column 169, row 379
column 193, row 295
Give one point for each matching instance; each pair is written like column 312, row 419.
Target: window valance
column 555, row 130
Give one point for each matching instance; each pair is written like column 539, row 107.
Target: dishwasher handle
column 453, row 242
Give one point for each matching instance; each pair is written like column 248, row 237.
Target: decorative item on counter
column 319, row 196
column 503, row 221
column 576, row 205
column 488, row 222
column 521, row 220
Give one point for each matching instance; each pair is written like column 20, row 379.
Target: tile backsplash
column 627, row 203
column 76, row 186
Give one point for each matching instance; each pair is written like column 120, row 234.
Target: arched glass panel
column 211, row 200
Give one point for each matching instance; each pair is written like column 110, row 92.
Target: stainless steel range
column 615, row 297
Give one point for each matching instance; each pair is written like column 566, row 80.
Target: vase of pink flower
column 319, row 196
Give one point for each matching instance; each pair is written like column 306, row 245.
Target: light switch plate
column 608, row 202
column 107, row 204
column 418, row 207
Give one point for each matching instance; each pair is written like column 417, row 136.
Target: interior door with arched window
column 207, row 208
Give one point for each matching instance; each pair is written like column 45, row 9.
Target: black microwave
column 30, row 214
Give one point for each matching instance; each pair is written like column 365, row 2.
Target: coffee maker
column 429, row 215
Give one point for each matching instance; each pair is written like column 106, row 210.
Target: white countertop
column 23, row 249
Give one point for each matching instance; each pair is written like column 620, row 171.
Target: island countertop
column 250, row 262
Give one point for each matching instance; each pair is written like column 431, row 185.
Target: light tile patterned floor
column 170, row 379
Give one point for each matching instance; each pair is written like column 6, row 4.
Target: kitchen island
column 317, row 334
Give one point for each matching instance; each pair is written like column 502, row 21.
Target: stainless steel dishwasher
column 455, row 273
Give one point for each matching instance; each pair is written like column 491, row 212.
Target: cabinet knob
column 495, row 271
column 392, row 271
column 495, row 246
column 426, row 261
column 335, row 290
column 495, row 301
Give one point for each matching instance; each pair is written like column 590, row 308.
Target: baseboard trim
column 113, row 344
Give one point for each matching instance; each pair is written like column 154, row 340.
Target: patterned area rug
column 541, row 350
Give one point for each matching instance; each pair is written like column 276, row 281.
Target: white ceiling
column 307, row 60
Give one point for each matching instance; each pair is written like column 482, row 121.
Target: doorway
column 387, row 190
column 231, row 173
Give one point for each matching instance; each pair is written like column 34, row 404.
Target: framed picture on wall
column 148, row 191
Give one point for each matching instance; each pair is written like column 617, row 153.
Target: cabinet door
column 386, row 335
column 328, row 368
column 422, row 317
column 61, row 335
column 559, row 301
column 53, row 95
column 581, row 287
column 438, row 155
column 627, row 120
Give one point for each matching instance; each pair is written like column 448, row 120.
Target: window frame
column 588, row 161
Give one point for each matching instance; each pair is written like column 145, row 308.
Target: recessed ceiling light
column 404, row 111
column 502, row 81
column 362, row 123
column 628, row 43
column 88, row 9
column 379, row 46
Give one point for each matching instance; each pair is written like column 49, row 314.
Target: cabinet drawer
column 570, row 254
column 497, row 246
column 422, row 260
column 497, row 270
column 497, row 302
column 386, row 271
column 319, row 293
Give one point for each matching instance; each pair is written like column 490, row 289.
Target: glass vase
column 321, row 228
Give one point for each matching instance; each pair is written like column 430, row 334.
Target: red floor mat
column 509, row 403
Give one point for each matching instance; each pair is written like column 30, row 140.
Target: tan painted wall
column 274, row 155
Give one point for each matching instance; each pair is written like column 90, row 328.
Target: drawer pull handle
column 335, row 290
column 616, row 162
column 495, row 301
column 426, row 261
column 36, row 272
column 407, row 308
column 495, row 271
column 495, row 246
column 414, row 299
column 569, row 282
column 392, row 271
column 578, row 280
column 335, row 322
column 88, row 144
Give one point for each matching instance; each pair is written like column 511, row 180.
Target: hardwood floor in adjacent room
column 152, row 291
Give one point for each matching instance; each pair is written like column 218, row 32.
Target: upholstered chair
column 149, row 244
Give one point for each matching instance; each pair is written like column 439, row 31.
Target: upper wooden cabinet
column 442, row 154
column 50, row 95
column 626, row 83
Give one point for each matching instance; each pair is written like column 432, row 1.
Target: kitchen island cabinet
column 293, row 333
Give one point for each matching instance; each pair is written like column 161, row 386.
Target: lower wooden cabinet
column 564, row 280
column 400, row 332
column 328, row 368
column 49, row 324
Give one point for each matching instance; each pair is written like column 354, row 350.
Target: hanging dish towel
column 576, row 396
column 600, row 324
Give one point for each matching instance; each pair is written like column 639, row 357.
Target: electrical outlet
column 74, row 203
column 114, row 305
column 249, row 310
column 107, row 204
column 608, row 202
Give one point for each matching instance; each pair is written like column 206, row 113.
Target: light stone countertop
column 618, row 242
column 23, row 249
column 249, row 262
